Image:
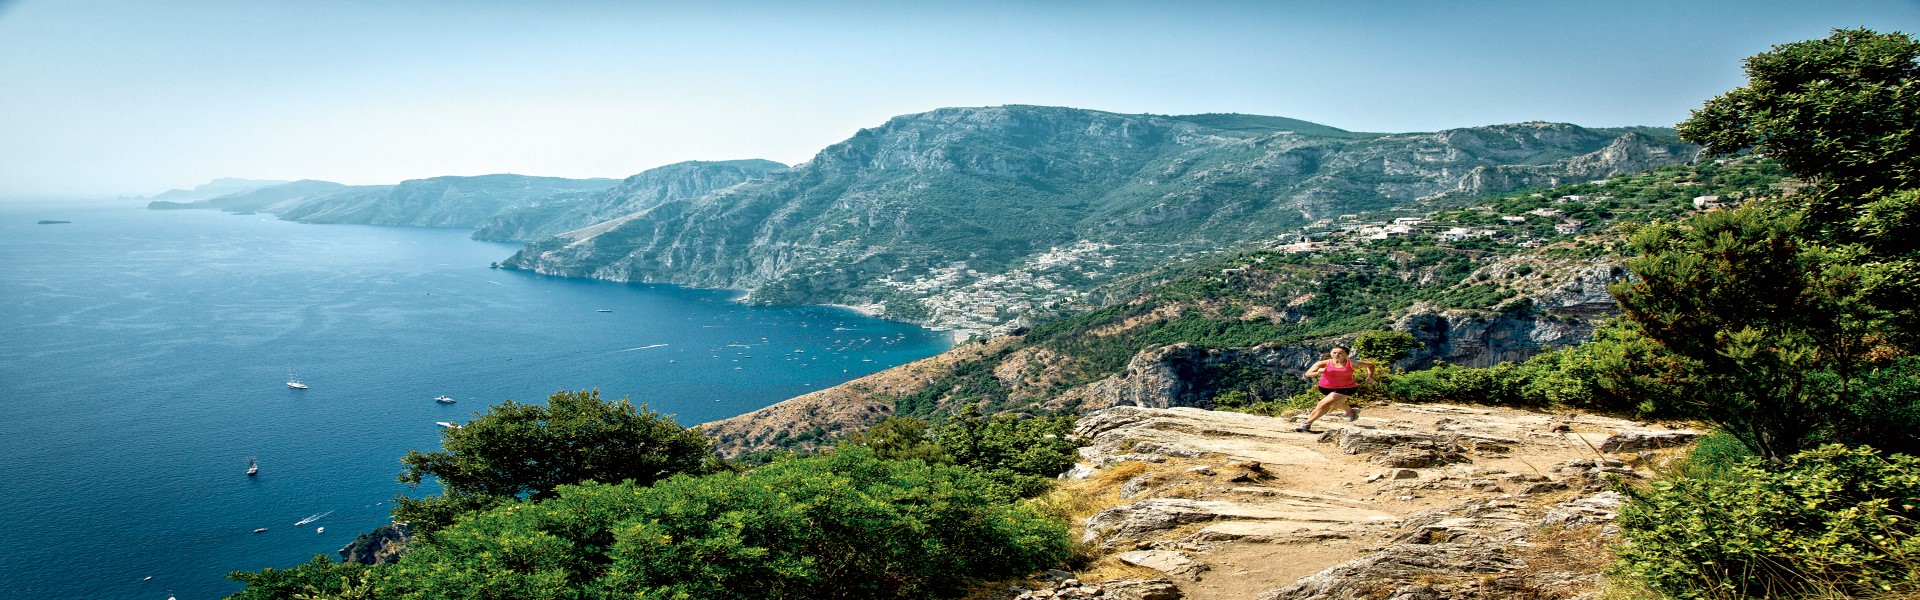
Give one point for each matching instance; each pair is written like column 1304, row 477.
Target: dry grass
column 1074, row 501
column 1109, row 568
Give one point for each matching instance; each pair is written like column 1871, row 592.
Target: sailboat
column 253, row 467
column 294, row 382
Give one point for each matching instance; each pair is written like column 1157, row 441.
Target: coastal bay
column 148, row 352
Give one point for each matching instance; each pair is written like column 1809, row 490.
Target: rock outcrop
column 1556, row 316
column 385, row 544
column 1172, row 376
column 1228, row 505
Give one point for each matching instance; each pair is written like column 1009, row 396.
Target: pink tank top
column 1335, row 377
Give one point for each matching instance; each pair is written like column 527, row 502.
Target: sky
column 104, row 98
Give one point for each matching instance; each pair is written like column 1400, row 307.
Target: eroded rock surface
column 1411, row 501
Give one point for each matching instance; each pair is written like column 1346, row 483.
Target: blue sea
column 145, row 355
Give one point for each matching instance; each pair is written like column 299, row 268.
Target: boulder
column 385, row 544
column 1141, row 589
column 1630, row 441
column 1171, row 562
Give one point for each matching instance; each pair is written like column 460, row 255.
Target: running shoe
column 1353, row 414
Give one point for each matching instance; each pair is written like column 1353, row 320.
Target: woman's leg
column 1326, row 404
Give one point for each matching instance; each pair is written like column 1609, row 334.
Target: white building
column 1567, row 227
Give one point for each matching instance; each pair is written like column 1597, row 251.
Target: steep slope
column 924, row 212
column 559, row 214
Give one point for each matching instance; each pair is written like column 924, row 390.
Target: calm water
column 145, row 355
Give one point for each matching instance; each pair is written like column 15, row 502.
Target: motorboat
column 294, row 382
column 446, row 424
column 253, row 467
column 443, row 399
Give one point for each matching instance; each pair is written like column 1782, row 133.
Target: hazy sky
column 133, row 97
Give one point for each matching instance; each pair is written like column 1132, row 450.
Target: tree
column 1778, row 309
column 1765, row 325
column 519, row 450
column 1843, row 112
column 1385, row 347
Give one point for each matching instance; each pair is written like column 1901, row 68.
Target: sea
column 144, row 360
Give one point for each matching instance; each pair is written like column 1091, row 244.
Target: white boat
column 294, row 382
column 253, row 467
column 443, row 399
column 319, row 530
column 445, row 424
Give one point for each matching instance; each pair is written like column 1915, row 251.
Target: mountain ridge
column 898, row 216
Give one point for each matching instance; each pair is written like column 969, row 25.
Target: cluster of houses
column 1346, row 229
column 968, row 302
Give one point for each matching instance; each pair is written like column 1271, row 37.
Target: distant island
column 52, row 222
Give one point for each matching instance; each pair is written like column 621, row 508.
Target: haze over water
column 145, row 357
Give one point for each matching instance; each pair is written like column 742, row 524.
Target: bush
column 1020, row 455
column 1500, row 385
column 1830, row 520
column 847, row 525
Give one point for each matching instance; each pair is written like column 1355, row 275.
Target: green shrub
column 1500, row 385
column 1019, row 455
column 1830, row 520
column 846, row 525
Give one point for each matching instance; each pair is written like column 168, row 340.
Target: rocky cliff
column 676, row 182
column 930, row 204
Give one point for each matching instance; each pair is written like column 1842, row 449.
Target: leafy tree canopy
column 519, row 450
column 1844, row 110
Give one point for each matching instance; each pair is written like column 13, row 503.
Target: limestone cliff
column 1560, row 313
column 559, row 214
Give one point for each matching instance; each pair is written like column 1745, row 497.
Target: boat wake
column 643, row 348
column 312, row 518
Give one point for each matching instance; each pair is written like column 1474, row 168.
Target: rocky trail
column 1409, row 502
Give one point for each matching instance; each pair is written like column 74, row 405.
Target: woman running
column 1336, row 381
